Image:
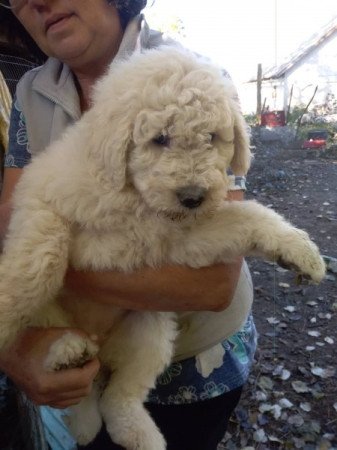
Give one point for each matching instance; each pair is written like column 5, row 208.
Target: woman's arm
column 170, row 288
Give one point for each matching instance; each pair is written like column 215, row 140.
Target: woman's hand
column 23, row 362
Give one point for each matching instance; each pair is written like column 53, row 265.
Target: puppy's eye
column 162, row 139
column 212, row 137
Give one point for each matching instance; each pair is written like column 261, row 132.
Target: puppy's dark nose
column 191, row 196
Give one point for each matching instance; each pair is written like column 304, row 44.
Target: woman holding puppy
column 196, row 395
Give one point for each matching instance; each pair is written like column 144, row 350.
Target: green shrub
column 252, row 119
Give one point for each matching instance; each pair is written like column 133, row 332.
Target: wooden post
column 299, row 120
column 289, row 104
column 259, row 90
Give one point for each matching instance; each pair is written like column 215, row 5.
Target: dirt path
column 291, row 399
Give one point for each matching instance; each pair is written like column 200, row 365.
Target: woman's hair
column 128, row 9
column 12, row 31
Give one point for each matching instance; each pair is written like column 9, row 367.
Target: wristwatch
column 237, row 183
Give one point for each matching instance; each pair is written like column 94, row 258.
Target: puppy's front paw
column 302, row 254
column 141, row 436
column 70, row 351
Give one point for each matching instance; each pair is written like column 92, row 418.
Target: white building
column 294, row 81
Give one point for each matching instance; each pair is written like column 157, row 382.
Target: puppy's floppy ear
column 146, row 123
column 110, row 139
column 242, row 156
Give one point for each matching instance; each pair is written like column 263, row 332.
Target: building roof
column 302, row 51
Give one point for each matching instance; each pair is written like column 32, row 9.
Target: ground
column 290, row 401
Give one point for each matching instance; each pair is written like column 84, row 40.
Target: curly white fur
column 139, row 180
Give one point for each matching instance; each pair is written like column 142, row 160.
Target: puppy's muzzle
column 191, row 196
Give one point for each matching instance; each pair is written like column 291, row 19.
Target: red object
column 314, row 143
column 273, row 119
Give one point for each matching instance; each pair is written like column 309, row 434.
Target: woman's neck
column 85, row 79
column 84, row 85
column 86, row 75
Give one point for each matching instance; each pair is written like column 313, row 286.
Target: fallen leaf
column 328, row 436
column 276, row 411
column 312, row 303
column 285, row 403
column 266, row 383
column 272, row 320
column 300, row 387
column 323, row 373
column 260, row 396
column 265, row 407
column 314, row 333
column 324, row 316
column 260, row 436
column 290, row 308
column 274, row 439
column 296, row 420
column 278, row 370
column 285, row 375
column 310, row 348
column 305, row 406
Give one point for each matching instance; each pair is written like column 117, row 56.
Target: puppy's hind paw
column 140, row 438
column 84, row 426
column 70, row 351
column 131, row 426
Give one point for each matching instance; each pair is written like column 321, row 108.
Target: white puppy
column 140, row 180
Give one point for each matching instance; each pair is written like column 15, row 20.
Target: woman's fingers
column 73, row 379
column 65, row 385
column 29, row 351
